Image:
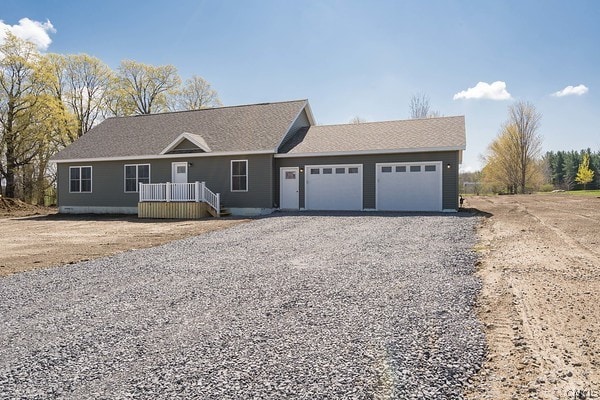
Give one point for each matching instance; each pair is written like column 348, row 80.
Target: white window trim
column 231, row 176
column 91, row 178
column 137, row 178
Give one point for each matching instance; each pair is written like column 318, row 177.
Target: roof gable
column 190, row 141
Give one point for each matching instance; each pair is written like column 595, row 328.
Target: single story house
column 258, row 158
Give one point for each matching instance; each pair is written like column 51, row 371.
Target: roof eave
column 162, row 156
column 372, row 152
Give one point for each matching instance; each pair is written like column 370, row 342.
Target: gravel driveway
column 292, row 306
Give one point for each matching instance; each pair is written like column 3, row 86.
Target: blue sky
column 359, row 58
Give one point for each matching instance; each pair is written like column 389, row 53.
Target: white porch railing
column 183, row 192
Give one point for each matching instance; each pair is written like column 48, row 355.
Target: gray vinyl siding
column 108, row 181
column 449, row 175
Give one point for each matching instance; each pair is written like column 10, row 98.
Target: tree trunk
column 10, row 182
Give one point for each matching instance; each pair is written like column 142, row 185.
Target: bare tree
column 358, row 120
column 512, row 157
column 194, row 95
column 420, row 108
column 525, row 118
column 146, row 87
column 81, row 83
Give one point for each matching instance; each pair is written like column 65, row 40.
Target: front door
column 179, row 172
column 288, row 192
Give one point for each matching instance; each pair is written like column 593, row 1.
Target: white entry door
column 288, row 188
column 179, row 172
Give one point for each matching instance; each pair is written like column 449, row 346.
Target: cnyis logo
column 583, row 394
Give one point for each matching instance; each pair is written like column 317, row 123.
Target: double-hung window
column 136, row 174
column 80, row 179
column 239, row 175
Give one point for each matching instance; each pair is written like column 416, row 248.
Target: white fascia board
column 163, row 156
column 368, row 152
column 309, row 114
column 195, row 139
column 310, row 120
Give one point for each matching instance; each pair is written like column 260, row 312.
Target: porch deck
column 178, row 200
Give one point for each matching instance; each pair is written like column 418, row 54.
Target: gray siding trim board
column 449, row 175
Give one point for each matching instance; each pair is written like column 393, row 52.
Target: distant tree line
column 47, row 101
column 562, row 168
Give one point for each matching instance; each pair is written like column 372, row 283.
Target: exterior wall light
column 301, row 169
column 448, row 166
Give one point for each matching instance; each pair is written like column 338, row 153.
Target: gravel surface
column 292, row 306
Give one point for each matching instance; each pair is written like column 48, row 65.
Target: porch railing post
column 197, row 193
column 203, row 191
column 218, row 203
column 141, row 195
column 168, row 192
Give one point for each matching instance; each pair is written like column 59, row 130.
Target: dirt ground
column 540, row 301
column 47, row 239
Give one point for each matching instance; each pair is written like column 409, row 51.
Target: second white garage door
column 409, row 186
column 333, row 187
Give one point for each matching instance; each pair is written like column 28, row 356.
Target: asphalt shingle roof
column 255, row 127
column 428, row 133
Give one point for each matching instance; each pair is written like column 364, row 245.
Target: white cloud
column 33, row 31
column 571, row 91
column 483, row 90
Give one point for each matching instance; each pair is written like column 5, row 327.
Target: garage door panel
column 334, row 187
column 409, row 186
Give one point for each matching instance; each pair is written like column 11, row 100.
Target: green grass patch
column 584, row 192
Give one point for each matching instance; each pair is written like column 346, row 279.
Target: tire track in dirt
column 541, row 287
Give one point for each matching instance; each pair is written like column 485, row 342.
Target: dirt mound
column 17, row 208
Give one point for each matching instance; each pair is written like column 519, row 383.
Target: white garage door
column 409, row 186
column 333, row 187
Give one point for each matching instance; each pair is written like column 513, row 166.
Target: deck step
column 224, row 212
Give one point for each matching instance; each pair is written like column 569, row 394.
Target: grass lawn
column 584, row 192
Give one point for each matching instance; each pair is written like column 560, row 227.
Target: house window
column 415, row 168
column 314, row 171
column 290, row 175
column 353, row 170
column 136, row 174
column 401, row 168
column 386, row 169
column 340, row 170
column 327, row 171
column 239, row 175
column 80, row 179
column 430, row 168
